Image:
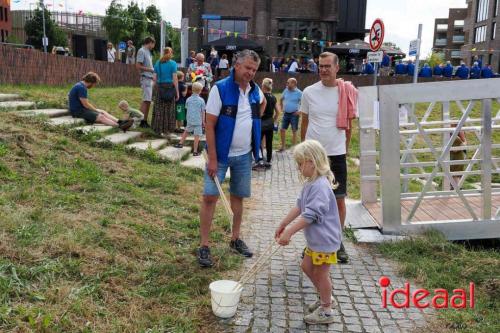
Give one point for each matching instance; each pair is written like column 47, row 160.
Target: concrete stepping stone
column 120, row 138
column 9, row 97
column 189, row 139
column 15, row 105
column 198, row 162
column 145, row 145
column 65, row 121
column 92, row 128
column 174, row 154
column 51, row 113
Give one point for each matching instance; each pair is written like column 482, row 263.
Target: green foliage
column 136, row 23
column 34, row 31
column 153, row 28
column 435, row 58
column 114, row 22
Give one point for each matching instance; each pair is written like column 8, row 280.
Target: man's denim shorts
column 290, row 118
column 241, row 176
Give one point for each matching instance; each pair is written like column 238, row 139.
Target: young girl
column 318, row 215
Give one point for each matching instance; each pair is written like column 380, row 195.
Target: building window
column 456, row 54
column 1, row 13
column 482, row 10
column 480, row 34
column 496, row 8
column 442, row 27
column 459, row 23
column 6, row 19
column 311, row 30
column 494, row 31
column 217, row 28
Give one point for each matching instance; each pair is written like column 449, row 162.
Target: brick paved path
column 275, row 301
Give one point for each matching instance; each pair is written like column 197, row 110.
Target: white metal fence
column 405, row 154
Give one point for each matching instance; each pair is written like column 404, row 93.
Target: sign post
column 376, row 40
column 417, row 59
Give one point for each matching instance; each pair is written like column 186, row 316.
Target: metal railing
column 418, row 125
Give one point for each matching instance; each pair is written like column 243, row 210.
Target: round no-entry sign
column 376, row 35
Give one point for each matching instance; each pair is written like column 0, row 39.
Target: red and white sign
column 376, row 35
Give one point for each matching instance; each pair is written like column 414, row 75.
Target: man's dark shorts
column 90, row 116
column 338, row 165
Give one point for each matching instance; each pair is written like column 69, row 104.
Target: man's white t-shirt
column 293, row 67
column 242, row 136
column 223, row 64
column 321, row 104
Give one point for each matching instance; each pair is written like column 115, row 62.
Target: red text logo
column 440, row 298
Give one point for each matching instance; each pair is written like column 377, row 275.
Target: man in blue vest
column 475, row 71
column 233, row 111
column 367, row 68
column 425, row 71
column 486, row 72
column 410, row 68
column 448, row 70
column 462, row 71
column 400, row 68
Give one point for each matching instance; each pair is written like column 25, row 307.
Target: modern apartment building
column 449, row 35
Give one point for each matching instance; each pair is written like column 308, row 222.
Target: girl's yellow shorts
column 320, row 258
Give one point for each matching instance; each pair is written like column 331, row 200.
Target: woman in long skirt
column 163, row 121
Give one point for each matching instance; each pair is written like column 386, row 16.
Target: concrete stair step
column 16, row 105
column 198, row 162
column 51, row 113
column 121, row 138
column 145, row 145
column 9, row 97
column 174, row 138
column 174, row 154
column 92, row 128
column 65, row 121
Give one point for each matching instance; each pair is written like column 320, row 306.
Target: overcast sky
column 400, row 18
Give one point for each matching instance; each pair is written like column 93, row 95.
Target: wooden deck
column 437, row 209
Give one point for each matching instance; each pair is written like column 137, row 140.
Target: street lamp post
column 44, row 40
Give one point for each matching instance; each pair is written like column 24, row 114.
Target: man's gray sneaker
column 319, row 317
column 240, row 247
column 317, row 304
column 204, row 257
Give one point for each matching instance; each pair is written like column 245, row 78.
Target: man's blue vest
column 462, row 72
column 475, row 72
column 448, row 70
column 486, row 73
column 410, row 69
column 229, row 92
column 438, row 71
column 401, row 69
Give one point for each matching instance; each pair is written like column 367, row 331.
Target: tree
column 34, row 31
column 153, row 27
column 435, row 58
column 173, row 40
column 136, row 23
column 115, row 22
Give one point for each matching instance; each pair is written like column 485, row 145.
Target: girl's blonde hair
column 168, row 53
column 312, row 150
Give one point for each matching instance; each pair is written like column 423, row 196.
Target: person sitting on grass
column 318, row 215
column 131, row 113
column 195, row 106
column 180, row 105
column 80, row 107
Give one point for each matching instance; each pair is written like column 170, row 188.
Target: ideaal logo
column 440, row 298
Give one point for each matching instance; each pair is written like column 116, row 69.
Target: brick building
column 330, row 20
column 5, row 20
column 482, row 33
column 449, row 35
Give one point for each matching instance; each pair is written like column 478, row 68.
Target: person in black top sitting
column 269, row 121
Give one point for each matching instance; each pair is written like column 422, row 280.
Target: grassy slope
column 98, row 240
column 435, row 263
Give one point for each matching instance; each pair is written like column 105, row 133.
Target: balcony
column 458, row 39
column 442, row 27
column 441, row 42
column 456, row 54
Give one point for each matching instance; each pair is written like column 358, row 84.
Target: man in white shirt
column 233, row 114
column 319, row 109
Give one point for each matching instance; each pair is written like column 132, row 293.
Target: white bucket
column 225, row 297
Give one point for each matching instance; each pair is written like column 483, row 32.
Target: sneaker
column 204, row 257
column 178, row 145
column 240, row 247
column 196, row 153
column 144, row 124
column 259, row 166
column 317, row 304
column 267, row 165
column 319, row 317
column 126, row 124
column 342, row 256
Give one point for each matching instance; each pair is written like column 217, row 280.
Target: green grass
column 434, row 263
column 99, row 239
